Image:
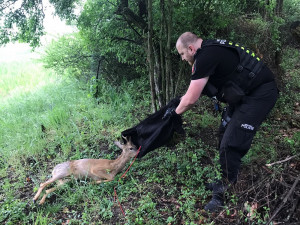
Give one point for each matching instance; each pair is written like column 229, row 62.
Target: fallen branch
column 284, row 200
column 282, row 161
column 293, row 209
column 256, row 185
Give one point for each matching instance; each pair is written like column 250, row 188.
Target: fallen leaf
column 202, row 220
column 222, row 214
column 251, row 209
column 66, row 210
column 66, row 223
column 234, row 214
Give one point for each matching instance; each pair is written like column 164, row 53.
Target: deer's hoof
column 41, row 202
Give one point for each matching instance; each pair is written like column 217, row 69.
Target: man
column 234, row 75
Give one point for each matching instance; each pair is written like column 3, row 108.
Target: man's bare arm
column 192, row 95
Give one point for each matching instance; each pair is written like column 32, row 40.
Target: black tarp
column 154, row 132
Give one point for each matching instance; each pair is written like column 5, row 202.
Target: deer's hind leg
column 60, row 183
column 60, row 171
column 42, row 186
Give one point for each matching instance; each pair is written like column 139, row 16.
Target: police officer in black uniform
column 232, row 74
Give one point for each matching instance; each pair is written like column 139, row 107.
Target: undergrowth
column 46, row 119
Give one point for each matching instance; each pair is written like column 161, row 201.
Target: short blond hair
column 187, row 38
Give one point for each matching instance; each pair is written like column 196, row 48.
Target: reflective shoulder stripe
column 248, row 59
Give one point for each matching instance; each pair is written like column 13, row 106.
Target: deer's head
column 129, row 148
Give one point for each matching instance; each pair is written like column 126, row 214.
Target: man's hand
column 170, row 112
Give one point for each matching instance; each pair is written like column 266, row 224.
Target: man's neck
column 198, row 44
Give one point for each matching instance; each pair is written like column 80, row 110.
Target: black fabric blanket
column 154, row 132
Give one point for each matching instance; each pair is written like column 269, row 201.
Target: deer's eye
column 131, row 148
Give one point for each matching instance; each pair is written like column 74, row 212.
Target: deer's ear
column 117, row 143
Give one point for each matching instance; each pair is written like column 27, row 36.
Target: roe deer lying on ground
column 100, row 170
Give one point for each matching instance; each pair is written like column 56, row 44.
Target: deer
column 98, row 170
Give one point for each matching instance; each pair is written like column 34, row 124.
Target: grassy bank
column 46, row 119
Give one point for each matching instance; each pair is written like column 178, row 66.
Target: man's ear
column 191, row 48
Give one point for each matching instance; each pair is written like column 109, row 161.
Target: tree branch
column 129, row 24
column 135, row 19
column 6, row 5
column 111, row 3
column 282, row 161
column 284, row 200
column 126, row 39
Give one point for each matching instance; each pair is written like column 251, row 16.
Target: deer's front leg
column 100, row 181
column 103, row 176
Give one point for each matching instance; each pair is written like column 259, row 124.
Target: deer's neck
column 120, row 162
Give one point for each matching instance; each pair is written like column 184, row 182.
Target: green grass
column 34, row 98
column 46, row 119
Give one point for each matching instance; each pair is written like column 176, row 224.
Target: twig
column 111, row 3
column 293, row 209
column 284, row 200
column 282, row 161
column 267, row 169
column 257, row 184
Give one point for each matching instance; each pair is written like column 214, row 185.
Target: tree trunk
column 96, row 95
column 179, row 77
column 157, row 76
column 266, row 13
column 169, row 79
column 161, row 49
column 151, row 56
column 279, row 7
column 170, row 30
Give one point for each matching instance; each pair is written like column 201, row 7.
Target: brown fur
column 99, row 170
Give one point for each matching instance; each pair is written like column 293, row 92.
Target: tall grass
column 23, row 103
column 40, row 110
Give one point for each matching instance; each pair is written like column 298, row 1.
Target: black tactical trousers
column 246, row 117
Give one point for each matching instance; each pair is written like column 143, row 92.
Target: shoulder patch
column 194, row 67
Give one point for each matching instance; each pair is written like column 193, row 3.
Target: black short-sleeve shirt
column 214, row 61
column 218, row 63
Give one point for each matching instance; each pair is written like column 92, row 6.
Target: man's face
column 186, row 54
